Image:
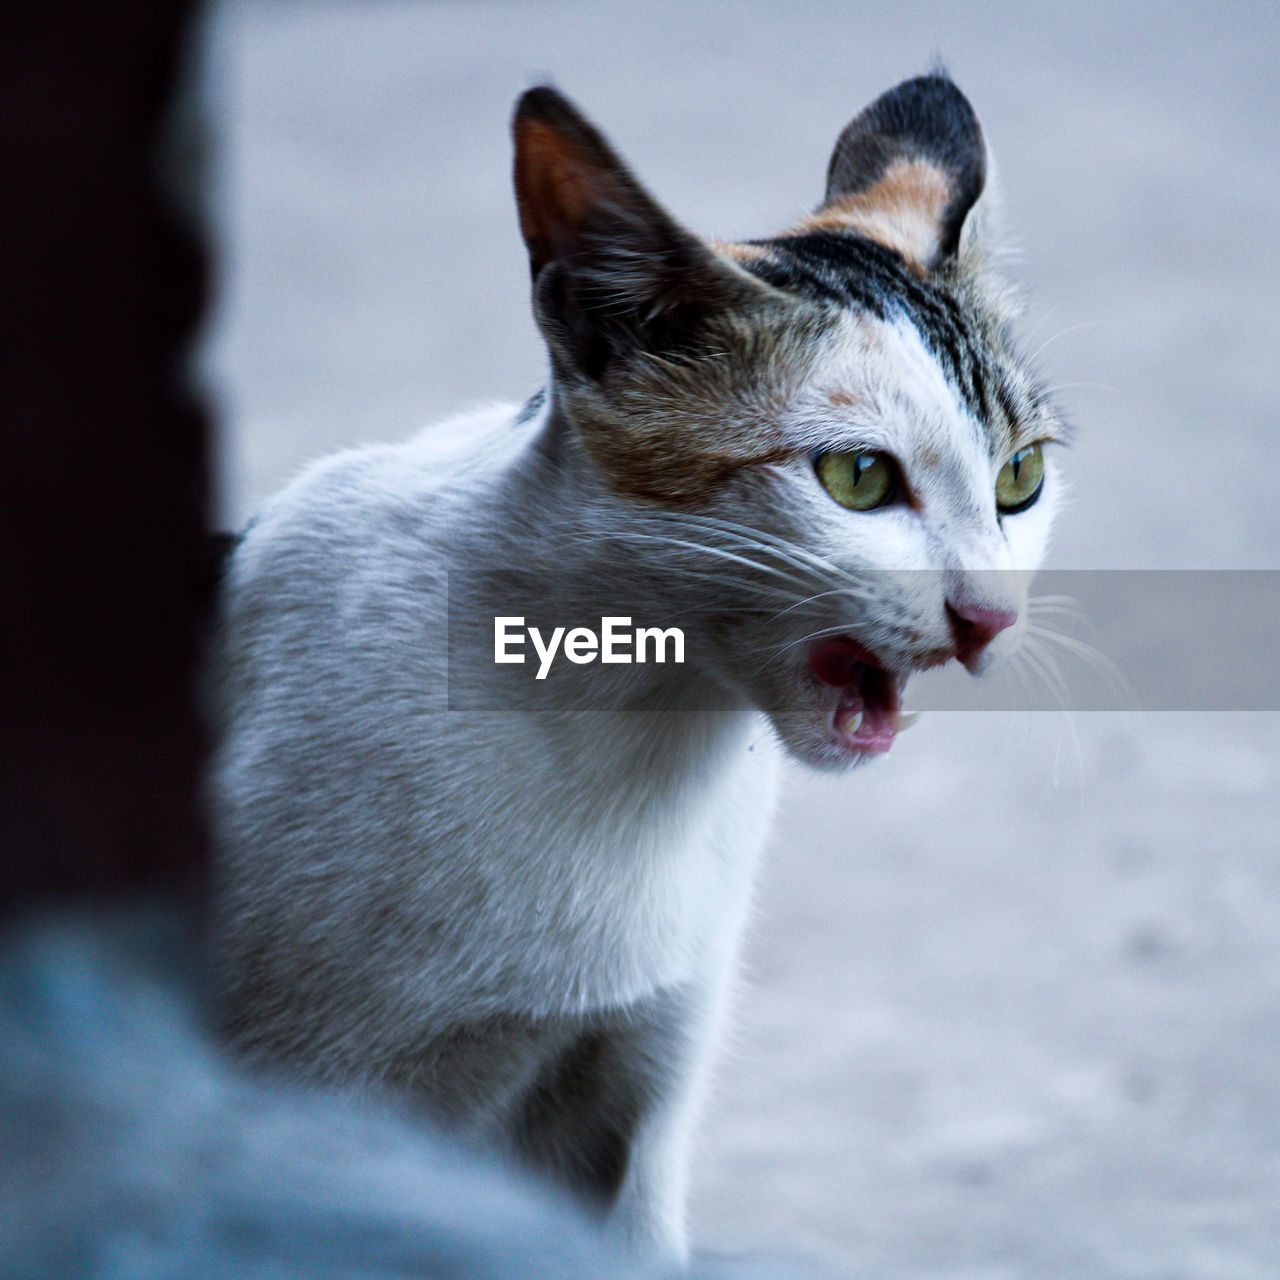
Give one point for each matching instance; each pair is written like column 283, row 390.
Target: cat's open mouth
column 867, row 714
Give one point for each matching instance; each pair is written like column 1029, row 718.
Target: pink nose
column 974, row 627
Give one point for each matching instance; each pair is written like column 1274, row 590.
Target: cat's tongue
column 869, row 713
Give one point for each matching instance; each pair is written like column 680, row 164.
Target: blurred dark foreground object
column 130, row 1148
column 129, row 1145
column 102, row 513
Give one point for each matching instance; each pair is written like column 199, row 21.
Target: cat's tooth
column 904, row 720
column 849, row 722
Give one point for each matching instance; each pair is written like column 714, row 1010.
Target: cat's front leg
column 608, row 1116
column 671, row 1048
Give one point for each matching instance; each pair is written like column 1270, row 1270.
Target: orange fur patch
column 903, row 210
column 739, row 252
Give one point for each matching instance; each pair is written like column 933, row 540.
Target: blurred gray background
column 1012, row 995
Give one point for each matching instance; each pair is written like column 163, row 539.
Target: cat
column 821, row 452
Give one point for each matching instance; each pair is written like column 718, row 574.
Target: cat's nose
column 975, row 626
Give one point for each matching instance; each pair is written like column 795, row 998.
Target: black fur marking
column 929, row 119
column 532, row 407
column 1008, row 405
column 832, row 266
column 856, row 272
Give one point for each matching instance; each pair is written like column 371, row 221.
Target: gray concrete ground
column 1013, row 994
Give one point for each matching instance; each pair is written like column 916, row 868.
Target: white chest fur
column 394, row 867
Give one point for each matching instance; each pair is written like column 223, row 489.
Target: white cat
column 817, row 452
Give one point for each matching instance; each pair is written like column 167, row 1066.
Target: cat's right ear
column 908, row 170
column 613, row 272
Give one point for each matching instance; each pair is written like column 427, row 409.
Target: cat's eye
column 1020, row 480
column 859, row 481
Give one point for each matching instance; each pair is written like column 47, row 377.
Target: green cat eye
column 1020, row 480
column 859, row 481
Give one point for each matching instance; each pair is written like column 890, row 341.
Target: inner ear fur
column 612, row 269
column 907, row 171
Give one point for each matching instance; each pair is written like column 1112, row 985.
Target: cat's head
column 830, row 431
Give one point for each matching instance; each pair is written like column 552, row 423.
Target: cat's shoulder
column 369, row 499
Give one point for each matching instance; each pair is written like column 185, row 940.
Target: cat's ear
column 613, row 271
column 908, row 170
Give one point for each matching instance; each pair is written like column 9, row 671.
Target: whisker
column 1062, row 333
column 836, row 630
column 1036, row 660
column 795, row 554
column 706, row 548
column 1092, row 657
column 1045, row 667
column 1048, row 603
column 1039, row 324
column 789, row 593
column 1070, row 386
column 1018, row 663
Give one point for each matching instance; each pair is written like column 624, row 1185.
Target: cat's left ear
column 908, row 170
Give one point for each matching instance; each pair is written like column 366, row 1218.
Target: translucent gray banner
column 1091, row 640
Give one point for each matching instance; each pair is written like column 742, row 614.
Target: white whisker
column 1062, row 333
column 1091, row 657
